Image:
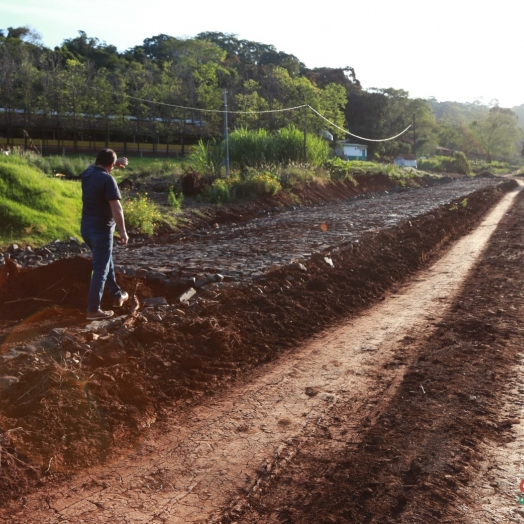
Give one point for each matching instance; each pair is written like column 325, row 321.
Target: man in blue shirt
column 101, row 212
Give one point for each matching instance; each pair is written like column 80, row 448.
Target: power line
column 356, row 136
column 209, row 110
column 261, row 112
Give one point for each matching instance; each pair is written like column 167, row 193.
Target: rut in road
column 217, row 452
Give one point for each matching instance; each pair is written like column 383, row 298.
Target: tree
column 84, row 48
column 333, row 103
column 498, row 133
column 249, row 100
column 73, row 95
column 323, row 76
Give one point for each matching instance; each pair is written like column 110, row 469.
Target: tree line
column 163, row 91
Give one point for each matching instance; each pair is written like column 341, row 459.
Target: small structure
column 406, row 161
column 352, row 151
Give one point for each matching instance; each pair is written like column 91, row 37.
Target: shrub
column 256, row 185
column 339, row 169
column 249, row 184
column 174, row 200
column 295, row 174
column 219, row 192
column 141, row 213
column 192, row 182
column 461, row 163
column 458, row 163
column 251, row 148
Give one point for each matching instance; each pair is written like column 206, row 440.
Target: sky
column 452, row 50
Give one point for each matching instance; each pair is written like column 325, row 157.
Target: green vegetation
column 34, row 208
column 496, row 168
column 37, row 207
column 258, row 149
column 151, row 168
column 245, row 185
column 458, row 163
column 463, row 203
column 207, row 157
column 141, row 213
column 69, row 166
column 174, row 200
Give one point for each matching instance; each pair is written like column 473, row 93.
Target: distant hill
column 457, row 112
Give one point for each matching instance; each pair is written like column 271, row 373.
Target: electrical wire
column 356, row 136
column 266, row 111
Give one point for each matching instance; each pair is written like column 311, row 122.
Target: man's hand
column 124, row 239
column 122, row 162
column 118, row 216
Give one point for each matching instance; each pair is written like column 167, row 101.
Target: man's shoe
column 99, row 315
column 118, row 302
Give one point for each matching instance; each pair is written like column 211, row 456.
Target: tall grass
column 286, row 146
column 207, row 158
column 35, row 208
column 259, row 149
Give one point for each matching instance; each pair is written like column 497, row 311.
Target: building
column 406, row 161
column 352, row 151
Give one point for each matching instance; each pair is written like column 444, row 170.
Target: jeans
column 101, row 245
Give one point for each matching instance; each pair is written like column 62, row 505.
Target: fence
column 50, row 146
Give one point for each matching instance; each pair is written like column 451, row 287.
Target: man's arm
column 118, row 215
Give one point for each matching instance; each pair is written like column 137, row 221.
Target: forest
column 173, row 90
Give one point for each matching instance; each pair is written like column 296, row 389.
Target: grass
column 34, row 208
column 73, row 165
column 151, row 168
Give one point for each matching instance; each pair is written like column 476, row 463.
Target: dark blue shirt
column 98, row 188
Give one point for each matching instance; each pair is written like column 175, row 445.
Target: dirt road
column 228, row 458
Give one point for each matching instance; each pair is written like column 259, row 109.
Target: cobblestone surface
column 246, row 250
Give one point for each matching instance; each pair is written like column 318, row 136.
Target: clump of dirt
column 93, row 392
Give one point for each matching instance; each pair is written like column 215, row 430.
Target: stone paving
column 246, row 250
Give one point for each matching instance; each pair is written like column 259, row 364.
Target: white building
column 352, row 151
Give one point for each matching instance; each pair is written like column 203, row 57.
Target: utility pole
column 226, row 132
column 414, row 138
column 305, row 134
